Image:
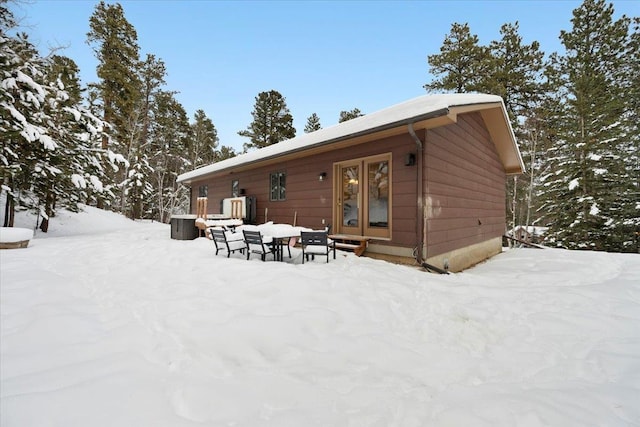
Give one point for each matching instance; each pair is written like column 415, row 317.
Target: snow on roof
column 412, row 110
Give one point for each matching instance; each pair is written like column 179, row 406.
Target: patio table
column 280, row 235
column 226, row 222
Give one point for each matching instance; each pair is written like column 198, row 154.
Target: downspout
column 419, row 195
column 421, row 223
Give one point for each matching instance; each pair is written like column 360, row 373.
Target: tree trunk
column 9, row 211
column 48, row 210
column 531, row 181
column 44, row 225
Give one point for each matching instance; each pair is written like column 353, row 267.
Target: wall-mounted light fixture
column 410, row 159
column 322, row 176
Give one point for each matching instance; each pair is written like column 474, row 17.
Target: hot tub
column 183, row 227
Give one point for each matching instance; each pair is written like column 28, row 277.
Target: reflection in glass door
column 350, row 199
column 378, row 194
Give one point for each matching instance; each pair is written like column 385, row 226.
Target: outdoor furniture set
column 271, row 239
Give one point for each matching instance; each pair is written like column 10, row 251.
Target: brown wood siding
column 313, row 199
column 405, row 198
column 464, row 185
column 463, row 182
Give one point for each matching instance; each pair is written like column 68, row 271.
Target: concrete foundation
column 466, row 257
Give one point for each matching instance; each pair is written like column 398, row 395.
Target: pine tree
column 460, row 63
column 348, row 115
column 23, row 130
column 587, row 187
column 514, row 72
column 204, row 140
column 169, row 140
column 272, row 121
column 137, row 183
column 152, row 77
column 313, row 123
column 85, row 133
column 224, row 153
column 49, row 157
column 66, row 70
column 117, row 96
column 76, row 135
column 115, row 44
column 7, row 20
column 631, row 206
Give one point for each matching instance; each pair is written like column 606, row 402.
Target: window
column 278, row 184
column 235, row 188
column 203, row 191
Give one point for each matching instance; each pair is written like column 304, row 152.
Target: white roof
column 406, row 112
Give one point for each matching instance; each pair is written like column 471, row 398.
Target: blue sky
column 322, row 56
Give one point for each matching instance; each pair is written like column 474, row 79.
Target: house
column 529, row 234
column 423, row 179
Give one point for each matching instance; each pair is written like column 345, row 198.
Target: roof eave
column 341, row 138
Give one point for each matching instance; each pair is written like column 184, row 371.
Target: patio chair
column 316, row 243
column 288, row 242
column 227, row 242
column 257, row 245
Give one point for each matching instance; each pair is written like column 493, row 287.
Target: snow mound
column 87, row 222
column 13, row 234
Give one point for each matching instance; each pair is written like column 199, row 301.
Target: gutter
column 399, row 123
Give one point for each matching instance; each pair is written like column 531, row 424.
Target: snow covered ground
column 109, row 322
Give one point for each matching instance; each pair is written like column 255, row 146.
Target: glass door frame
column 363, row 227
column 342, row 205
